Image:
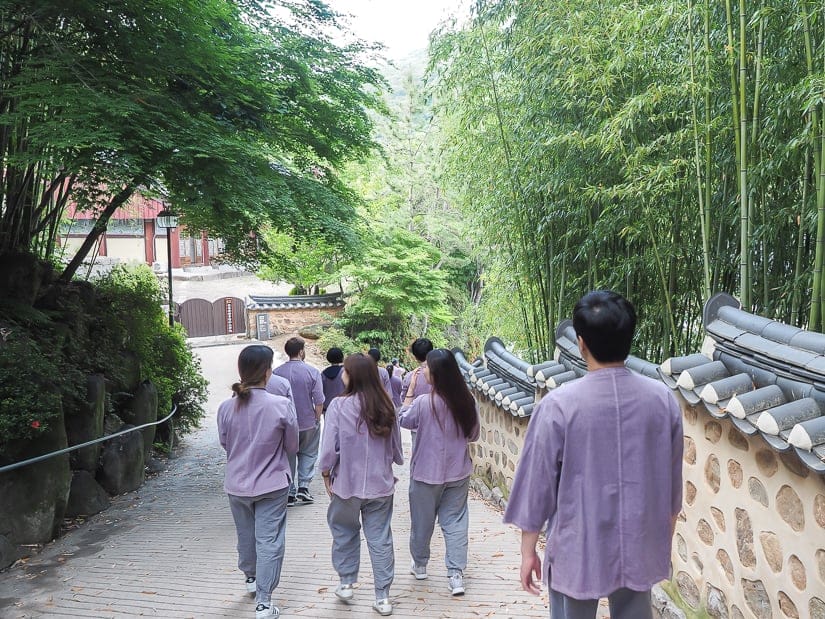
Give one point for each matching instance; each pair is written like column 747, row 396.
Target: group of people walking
column 272, row 435
column 600, row 470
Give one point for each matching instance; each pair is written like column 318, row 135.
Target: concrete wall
column 128, row 249
column 751, row 539
column 290, row 320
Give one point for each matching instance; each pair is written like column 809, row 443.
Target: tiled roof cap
column 318, row 301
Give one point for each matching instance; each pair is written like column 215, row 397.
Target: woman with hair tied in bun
column 258, row 430
column 361, row 441
column 446, row 420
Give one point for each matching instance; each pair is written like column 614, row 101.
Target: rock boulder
column 122, row 466
column 86, row 496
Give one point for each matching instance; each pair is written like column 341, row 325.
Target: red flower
column 35, row 424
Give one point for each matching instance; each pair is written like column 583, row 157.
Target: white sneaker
column 262, row 611
column 250, row 585
column 344, row 592
column 382, row 607
column 456, row 584
column 419, row 571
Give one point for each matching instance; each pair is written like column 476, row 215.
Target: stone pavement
column 168, row 550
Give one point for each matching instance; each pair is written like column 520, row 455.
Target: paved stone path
column 168, row 550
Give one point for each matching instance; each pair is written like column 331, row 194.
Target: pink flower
column 35, row 424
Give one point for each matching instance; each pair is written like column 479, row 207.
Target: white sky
column 401, row 25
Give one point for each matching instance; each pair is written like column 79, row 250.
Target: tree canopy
column 237, row 112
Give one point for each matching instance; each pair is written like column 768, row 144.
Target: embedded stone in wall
column 688, row 589
column 697, row 564
column 719, row 517
column 744, row 538
column 787, row 606
column 757, row 491
column 704, row 532
column 713, row 431
column 736, row 439
column 757, row 598
column 794, row 464
column 497, row 437
column 735, row 473
column 716, row 603
column 727, row 565
column 712, row 472
column 681, row 547
column 766, row 461
column 690, row 451
column 819, row 510
column 820, row 563
column 816, row 608
column 691, row 415
column 735, row 613
column 690, row 493
column 790, row 508
column 511, row 445
column 773, row 550
column 798, row 576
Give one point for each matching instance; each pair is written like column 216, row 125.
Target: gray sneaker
column 344, row 593
column 264, row 611
column 383, row 607
column 251, row 586
column 419, row 571
column 455, row 583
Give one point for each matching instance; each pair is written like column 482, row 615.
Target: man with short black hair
column 602, row 468
column 308, row 396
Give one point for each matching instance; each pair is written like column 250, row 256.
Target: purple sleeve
column 291, row 429
column 405, row 385
column 476, row 429
column 330, row 448
column 677, row 451
column 533, row 495
column 397, row 449
column 409, row 415
column 317, row 389
column 222, row 426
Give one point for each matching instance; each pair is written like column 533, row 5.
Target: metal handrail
column 22, row 463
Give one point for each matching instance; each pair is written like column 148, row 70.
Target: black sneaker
column 290, row 501
column 304, row 495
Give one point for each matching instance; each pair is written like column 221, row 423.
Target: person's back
column 615, row 494
column 331, row 376
column 307, row 389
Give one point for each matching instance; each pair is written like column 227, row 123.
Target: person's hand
column 328, row 485
column 531, row 566
column 413, row 380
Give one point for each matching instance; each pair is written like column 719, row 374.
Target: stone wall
column 496, row 453
column 751, row 539
column 291, row 320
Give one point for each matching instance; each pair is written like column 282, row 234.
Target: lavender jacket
column 440, row 453
column 421, row 384
column 307, row 391
column 602, row 465
column 258, row 435
column 279, row 386
column 361, row 464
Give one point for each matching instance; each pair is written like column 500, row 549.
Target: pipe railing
column 60, row 452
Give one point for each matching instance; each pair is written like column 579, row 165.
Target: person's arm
column 330, row 446
column 677, row 442
column 408, row 394
column 530, row 563
column 318, row 396
column 397, row 448
column 291, row 430
column 409, row 415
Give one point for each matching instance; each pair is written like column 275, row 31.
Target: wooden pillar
column 205, row 248
column 102, row 249
column 149, row 240
column 174, row 239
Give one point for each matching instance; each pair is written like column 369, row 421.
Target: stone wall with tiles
column 751, row 539
column 291, row 320
column 496, row 453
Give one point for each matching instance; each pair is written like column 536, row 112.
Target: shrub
column 335, row 337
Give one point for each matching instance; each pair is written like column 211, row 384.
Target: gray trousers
column 261, row 525
column 448, row 502
column 624, row 604
column 344, row 517
column 304, row 460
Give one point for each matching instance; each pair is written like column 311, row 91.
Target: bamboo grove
column 666, row 149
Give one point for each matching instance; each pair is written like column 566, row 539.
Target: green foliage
column 307, row 263
column 334, row 337
column 29, row 398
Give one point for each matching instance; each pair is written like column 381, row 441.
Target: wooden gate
column 201, row 318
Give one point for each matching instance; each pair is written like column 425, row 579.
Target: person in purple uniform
column 308, row 396
column 446, row 421
column 279, row 386
column 361, row 442
column 382, row 372
column 414, row 382
column 331, row 380
column 602, row 467
column 395, row 383
column 259, row 431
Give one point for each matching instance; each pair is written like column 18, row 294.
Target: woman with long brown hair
column 259, row 431
column 360, row 443
column 446, row 421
